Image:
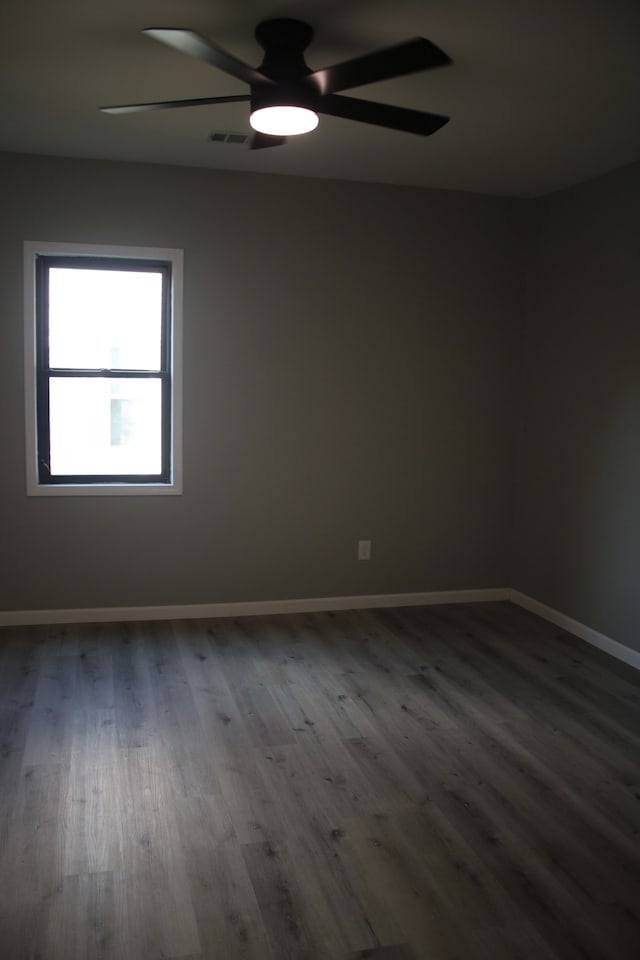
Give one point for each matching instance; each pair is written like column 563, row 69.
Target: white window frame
column 34, row 248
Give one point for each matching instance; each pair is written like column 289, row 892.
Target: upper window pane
column 105, row 319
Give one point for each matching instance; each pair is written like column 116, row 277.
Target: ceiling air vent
column 222, row 137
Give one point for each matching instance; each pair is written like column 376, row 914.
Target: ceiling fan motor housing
column 284, row 95
column 284, row 42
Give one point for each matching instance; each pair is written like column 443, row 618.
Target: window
column 102, row 369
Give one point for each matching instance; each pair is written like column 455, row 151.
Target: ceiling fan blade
column 170, row 104
column 408, row 57
column 261, row 140
column 382, row 114
column 186, row 41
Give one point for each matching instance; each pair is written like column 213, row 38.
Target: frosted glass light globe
column 283, row 121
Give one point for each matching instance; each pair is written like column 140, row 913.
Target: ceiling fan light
column 283, row 121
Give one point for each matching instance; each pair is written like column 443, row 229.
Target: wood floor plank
column 334, row 914
column 255, row 811
column 19, row 680
column 397, row 951
column 82, row 920
column 31, row 867
column 405, row 888
column 311, row 838
column 51, row 727
column 433, row 783
column 133, row 696
column 227, row 914
column 284, row 912
column 92, row 810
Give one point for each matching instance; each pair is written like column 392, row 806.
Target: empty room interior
column 320, row 486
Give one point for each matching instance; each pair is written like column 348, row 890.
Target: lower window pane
column 105, row 426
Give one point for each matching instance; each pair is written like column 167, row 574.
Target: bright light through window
column 104, row 318
column 105, row 427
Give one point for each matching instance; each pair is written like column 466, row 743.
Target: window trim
column 101, row 486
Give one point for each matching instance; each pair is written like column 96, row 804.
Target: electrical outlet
column 364, row 549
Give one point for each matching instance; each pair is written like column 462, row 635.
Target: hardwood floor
column 415, row 784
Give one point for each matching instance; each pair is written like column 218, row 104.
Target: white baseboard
column 203, row 611
column 618, row 650
column 197, row 611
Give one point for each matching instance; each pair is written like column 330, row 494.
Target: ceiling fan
column 286, row 96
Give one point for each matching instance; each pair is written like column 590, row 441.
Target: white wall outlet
column 364, row 549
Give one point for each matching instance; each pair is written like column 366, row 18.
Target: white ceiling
column 542, row 94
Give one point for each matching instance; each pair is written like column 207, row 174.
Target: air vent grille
column 220, row 136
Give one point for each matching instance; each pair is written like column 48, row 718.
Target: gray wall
column 348, row 374
column 577, row 529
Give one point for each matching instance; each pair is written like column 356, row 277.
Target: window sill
column 103, row 489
